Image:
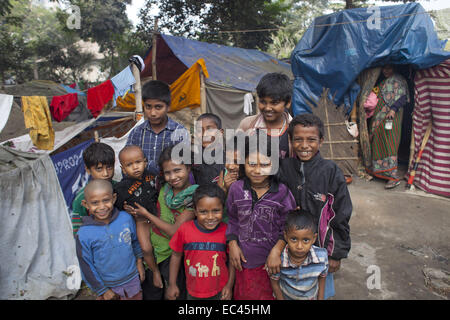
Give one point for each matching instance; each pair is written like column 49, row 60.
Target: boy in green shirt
column 99, row 159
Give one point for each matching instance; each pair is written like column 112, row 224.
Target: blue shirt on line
column 154, row 143
column 301, row 282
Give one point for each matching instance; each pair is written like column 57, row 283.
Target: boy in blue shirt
column 158, row 131
column 107, row 247
column 304, row 266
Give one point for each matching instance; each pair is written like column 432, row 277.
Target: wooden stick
column 202, row 93
column 155, row 35
column 138, row 92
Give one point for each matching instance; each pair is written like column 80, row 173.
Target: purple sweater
column 257, row 224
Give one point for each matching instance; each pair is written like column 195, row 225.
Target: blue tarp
column 337, row 47
column 70, row 170
column 228, row 66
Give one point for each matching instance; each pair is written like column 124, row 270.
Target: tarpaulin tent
column 337, row 47
column 37, row 186
column 233, row 72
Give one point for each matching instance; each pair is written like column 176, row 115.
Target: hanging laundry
column 62, row 106
column 186, row 89
column 248, row 106
column 99, row 96
column 38, row 119
column 122, row 83
column 6, row 101
column 128, row 102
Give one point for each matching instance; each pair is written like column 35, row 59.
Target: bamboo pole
column 155, row 36
column 138, row 92
column 202, row 93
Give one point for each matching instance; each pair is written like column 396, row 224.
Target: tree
column 106, row 23
column 214, row 19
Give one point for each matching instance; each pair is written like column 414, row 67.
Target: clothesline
column 323, row 25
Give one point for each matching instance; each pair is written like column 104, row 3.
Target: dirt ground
column 396, row 234
column 400, row 232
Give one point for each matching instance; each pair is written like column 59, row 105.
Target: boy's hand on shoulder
column 333, row 265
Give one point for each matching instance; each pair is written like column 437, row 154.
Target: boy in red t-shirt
column 203, row 243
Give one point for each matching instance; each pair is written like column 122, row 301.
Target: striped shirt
column 301, row 282
column 154, row 143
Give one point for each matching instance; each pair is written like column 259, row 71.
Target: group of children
column 241, row 230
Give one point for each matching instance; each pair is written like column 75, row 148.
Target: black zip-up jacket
column 319, row 187
column 142, row 191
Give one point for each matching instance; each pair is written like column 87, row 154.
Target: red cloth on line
column 98, row 96
column 62, row 106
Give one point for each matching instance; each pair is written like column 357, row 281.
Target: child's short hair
column 128, row 147
column 211, row 190
column 306, row 120
column 300, row 220
column 253, row 145
column 96, row 184
column 213, row 117
column 276, row 86
column 166, row 155
column 156, row 89
column 98, row 152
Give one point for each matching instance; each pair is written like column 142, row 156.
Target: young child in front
column 202, row 242
column 257, row 207
column 107, row 248
column 137, row 185
column 274, row 92
column 319, row 187
column 209, row 141
column 304, row 266
column 99, row 159
column 158, row 131
column 174, row 207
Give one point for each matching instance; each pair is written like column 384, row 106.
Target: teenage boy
column 275, row 94
column 158, row 131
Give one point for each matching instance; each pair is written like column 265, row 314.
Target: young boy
column 99, row 159
column 138, row 186
column 158, row 131
column 211, row 141
column 304, row 266
column 203, row 244
column 107, row 247
column 319, row 187
column 274, row 92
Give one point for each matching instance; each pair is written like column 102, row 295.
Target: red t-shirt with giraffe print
column 205, row 257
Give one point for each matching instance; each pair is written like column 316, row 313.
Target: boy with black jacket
column 318, row 186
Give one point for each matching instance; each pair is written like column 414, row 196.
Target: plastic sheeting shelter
column 233, row 72
column 337, row 47
column 38, row 258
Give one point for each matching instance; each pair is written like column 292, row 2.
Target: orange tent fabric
column 186, row 89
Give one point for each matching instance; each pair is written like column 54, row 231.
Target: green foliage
column 207, row 20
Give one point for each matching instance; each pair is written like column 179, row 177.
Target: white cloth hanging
column 6, row 101
column 248, row 106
